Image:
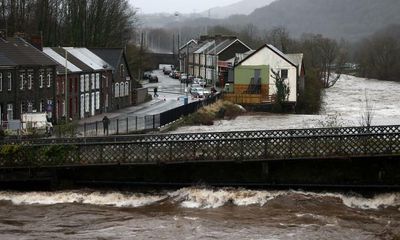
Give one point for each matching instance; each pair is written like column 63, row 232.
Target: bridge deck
column 355, row 142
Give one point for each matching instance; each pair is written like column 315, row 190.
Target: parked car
column 202, row 82
column 200, row 92
column 194, row 85
column 146, row 75
column 153, row 78
column 184, row 78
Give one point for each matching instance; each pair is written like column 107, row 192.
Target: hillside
column 243, row 7
column 348, row 19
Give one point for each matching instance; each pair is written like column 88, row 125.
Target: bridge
column 350, row 150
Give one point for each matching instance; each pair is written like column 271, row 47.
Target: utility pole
column 66, row 86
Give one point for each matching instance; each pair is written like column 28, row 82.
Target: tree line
column 91, row 23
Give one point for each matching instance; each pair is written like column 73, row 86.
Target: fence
column 272, row 145
column 133, row 124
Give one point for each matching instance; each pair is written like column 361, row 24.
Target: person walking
column 106, row 123
column 155, row 92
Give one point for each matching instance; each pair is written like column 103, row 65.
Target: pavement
column 170, row 91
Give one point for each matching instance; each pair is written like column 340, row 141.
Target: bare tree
column 367, row 112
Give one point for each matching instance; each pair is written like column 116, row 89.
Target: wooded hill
column 349, row 19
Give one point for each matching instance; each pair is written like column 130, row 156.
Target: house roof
column 89, row 58
column 203, row 47
column 273, row 49
column 74, row 60
column 5, row 61
column 188, row 43
column 110, row 55
column 19, row 52
column 296, row 58
column 61, row 61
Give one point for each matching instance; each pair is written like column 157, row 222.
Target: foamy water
column 196, row 198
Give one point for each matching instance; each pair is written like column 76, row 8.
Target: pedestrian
column 155, row 92
column 106, row 122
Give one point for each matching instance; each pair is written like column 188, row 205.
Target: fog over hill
column 348, row 19
column 243, row 7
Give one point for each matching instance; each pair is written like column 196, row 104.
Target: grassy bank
column 207, row 115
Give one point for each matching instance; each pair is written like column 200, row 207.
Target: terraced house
column 87, row 91
column 27, row 80
column 208, row 58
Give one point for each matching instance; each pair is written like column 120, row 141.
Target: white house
column 274, row 60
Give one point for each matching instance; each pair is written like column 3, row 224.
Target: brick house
column 122, row 81
column 27, row 80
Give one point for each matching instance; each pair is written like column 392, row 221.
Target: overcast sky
column 182, row 6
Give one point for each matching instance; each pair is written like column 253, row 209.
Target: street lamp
column 66, row 86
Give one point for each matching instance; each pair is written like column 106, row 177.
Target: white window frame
column 117, row 90
column 21, row 78
column 87, row 83
column 30, row 81
column 121, row 89
column 93, row 81
column 97, row 100
column 48, row 80
column 41, row 80
column 126, row 88
column 97, row 80
column 82, row 87
column 87, row 101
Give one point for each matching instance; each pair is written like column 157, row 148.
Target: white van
column 36, row 121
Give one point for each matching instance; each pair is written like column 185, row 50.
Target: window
column 117, row 90
column 97, row 81
column 41, row 79
column 87, row 102
column 49, row 76
column 284, row 73
column 1, row 82
column 30, row 80
column 41, row 106
column 97, row 100
column 121, row 89
column 106, row 102
column 21, row 77
column 126, row 88
column 82, row 83
column 82, row 105
column 93, row 81
column 10, row 112
column 87, row 82
column 30, row 107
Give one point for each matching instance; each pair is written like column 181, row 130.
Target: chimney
column 37, row 42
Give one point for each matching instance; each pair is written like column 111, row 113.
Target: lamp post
column 66, row 86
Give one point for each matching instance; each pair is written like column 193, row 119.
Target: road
column 170, row 91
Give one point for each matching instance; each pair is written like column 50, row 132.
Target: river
column 198, row 213
column 207, row 213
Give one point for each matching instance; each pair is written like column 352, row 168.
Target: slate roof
column 19, row 52
column 60, row 59
column 74, row 60
column 89, row 58
column 110, row 55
